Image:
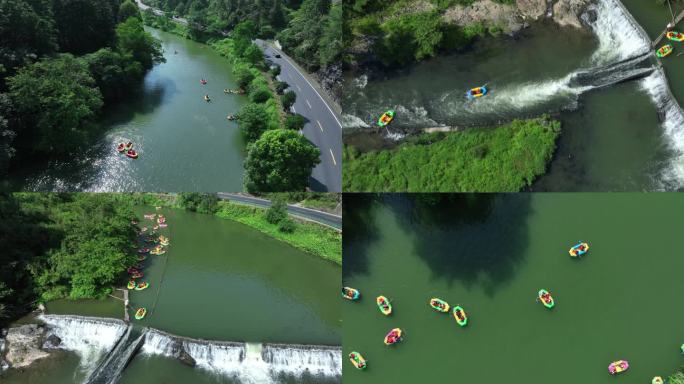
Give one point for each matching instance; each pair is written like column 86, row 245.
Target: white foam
column 656, row 87
column 618, row 34
column 248, row 363
column 90, row 338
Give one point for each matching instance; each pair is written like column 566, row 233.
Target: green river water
column 185, row 143
column 491, row 254
column 219, row 280
column 612, row 137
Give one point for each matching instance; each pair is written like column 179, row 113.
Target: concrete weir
column 108, row 345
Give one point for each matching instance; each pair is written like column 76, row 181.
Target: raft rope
column 671, row 13
column 161, row 280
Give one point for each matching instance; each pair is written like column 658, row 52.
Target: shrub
column 287, row 225
column 295, row 122
column 288, row 99
column 277, row 212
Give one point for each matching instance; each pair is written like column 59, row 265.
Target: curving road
column 320, row 217
column 323, row 127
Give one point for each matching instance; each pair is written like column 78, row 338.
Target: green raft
column 546, row 299
column 665, row 50
column 386, row 118
column 460, row 316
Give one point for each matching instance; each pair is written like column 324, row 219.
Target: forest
column 61, row 63
column 62, row 245
column 314, row 45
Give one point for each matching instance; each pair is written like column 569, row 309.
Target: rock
column 52, row 341
column 330, row 79
column 532, row 9
column 487, row 12
column 568, row 12
column 41, row 307
column 23, row 345
column 185, row 358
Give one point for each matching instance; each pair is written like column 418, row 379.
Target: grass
column 309, row 237
column 321, row 201
column 677, row 378
column 502, row 159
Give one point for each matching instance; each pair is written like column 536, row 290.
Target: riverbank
column 503, row 158
column 312, row 238
column 308, row 236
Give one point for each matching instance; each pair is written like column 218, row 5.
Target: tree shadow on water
column 474, row 238
column 359, row 230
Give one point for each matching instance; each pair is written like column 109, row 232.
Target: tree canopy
column 281, row 160
column 56, row 100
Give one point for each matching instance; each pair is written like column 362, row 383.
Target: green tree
column 280, row 160
column 7, row 135
column 55, row 100
column 253, row 121
column 281, row 86
column 295, row 122
column 243, row 75
column 128, row 9
column 26, row 30
column 277, row 212
column 253, row 55
column 259, row 94
column 114, row 74
column 330, row 45
column 287, row 225
column 276, row 15
column 199, row 202
column 84, row 25
column 133, row 40
column 288, row 99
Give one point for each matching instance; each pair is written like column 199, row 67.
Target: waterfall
column 291, row 359
column 248, row 363
column 91, row 338
column 672, row 122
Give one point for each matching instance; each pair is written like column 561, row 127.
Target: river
column 246, row 307
column 491, row 254
column 580, row 82
column 184, row 143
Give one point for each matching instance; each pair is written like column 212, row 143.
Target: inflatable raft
column 140, row 313
column 142, row 257
column 546, row 299
column 579, row 249
column 132, row 154
column 350, row 293
column 142, row 286
column 460, row 316
column 393, row 337
column 675, row 36
column 136, row 275
column 657, row 380
column 665, row 50
column 386, row 118
column 439, row 305
column 384, row 305
column 618, row 367
column 357, row 360
column 131, row 284
column 143, row 250
column 476, row 92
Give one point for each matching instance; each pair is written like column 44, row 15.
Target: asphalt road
column 158, row 12
column 323, row 127
column 320, row 217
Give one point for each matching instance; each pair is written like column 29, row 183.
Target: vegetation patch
column 505, row 158
column 309, row 237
